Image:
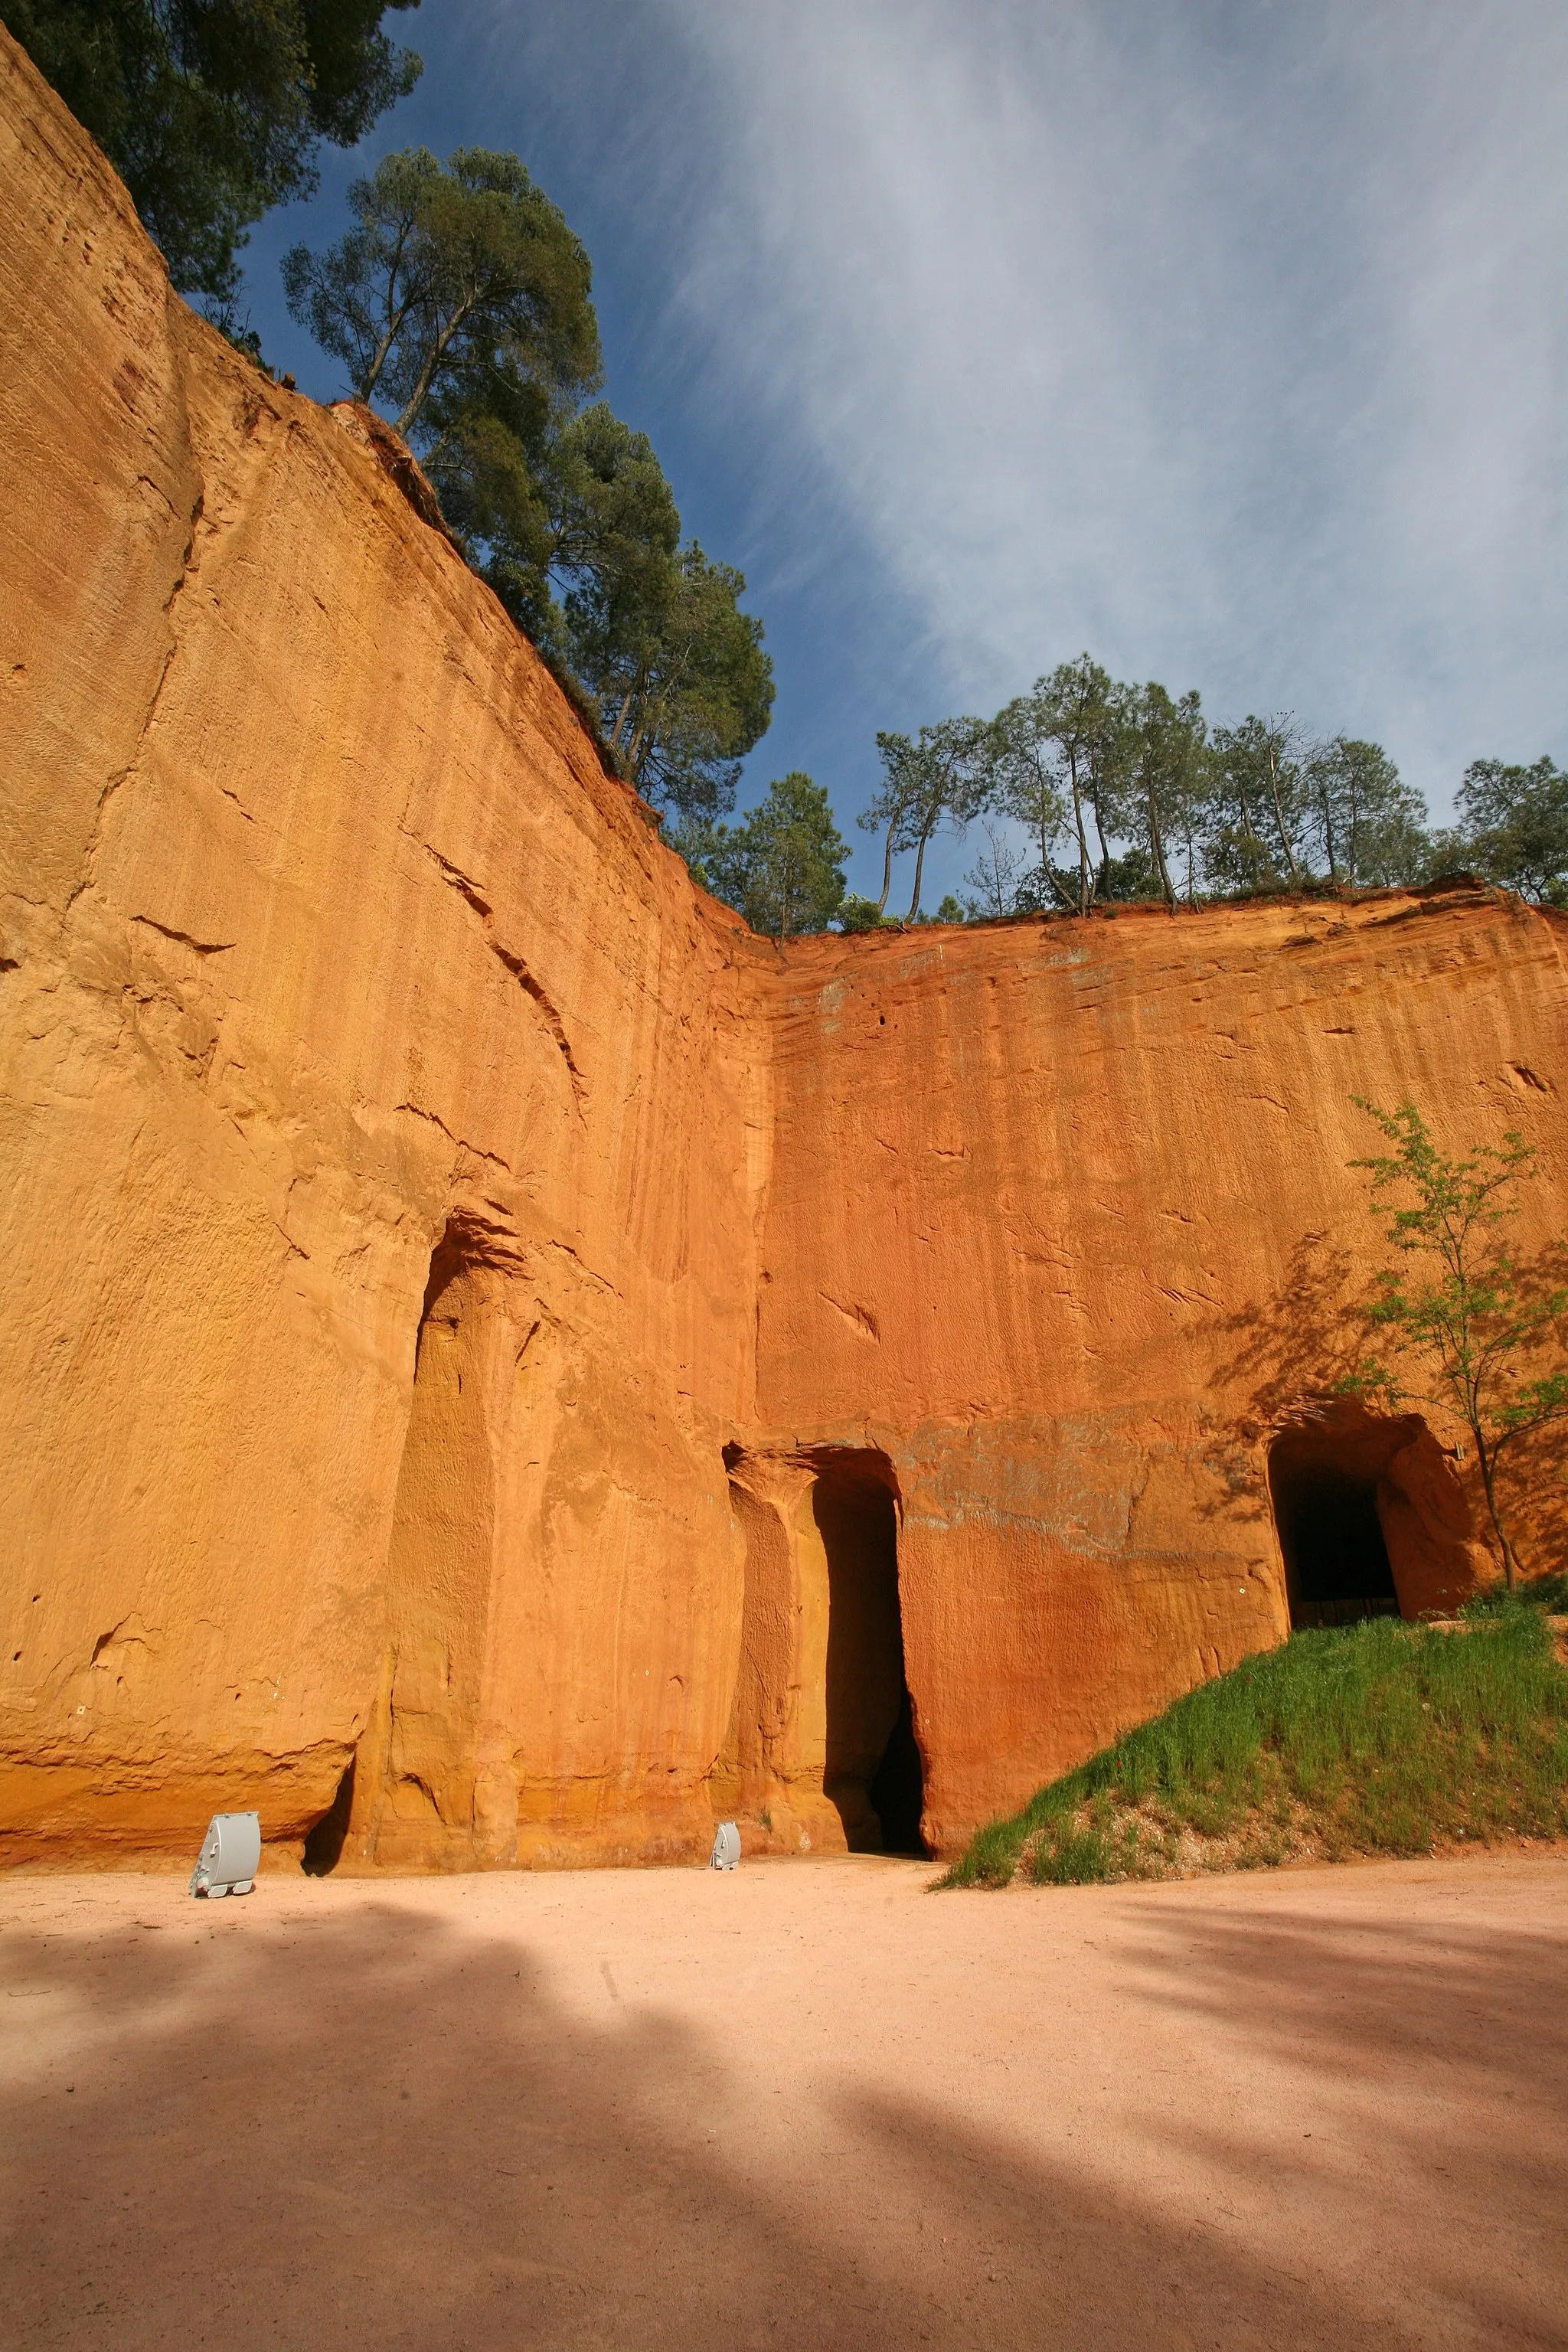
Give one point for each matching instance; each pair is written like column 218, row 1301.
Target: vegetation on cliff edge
column 212, row 111
column 459, row 301
column 1376, row 1738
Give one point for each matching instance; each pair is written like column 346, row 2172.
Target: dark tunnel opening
column 873, row 1773
column 1337, row 1569
column 324, row 1843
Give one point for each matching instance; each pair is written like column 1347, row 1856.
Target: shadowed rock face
column 465, row 1295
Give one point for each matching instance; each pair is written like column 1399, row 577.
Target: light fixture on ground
column 726, row 1851
column 230, row 1856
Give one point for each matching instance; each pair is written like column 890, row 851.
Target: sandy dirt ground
column 805, row 2105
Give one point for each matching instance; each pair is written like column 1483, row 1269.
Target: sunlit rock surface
column 495, row 1359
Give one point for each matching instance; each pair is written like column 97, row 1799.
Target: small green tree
column 1515, row 827
column 1258, row 808
column 942, row 779
column 1369, row 824
column 783, row 868
column 1026, row 778
column 1061, row 734
column 892, row 804
column 684, row 685
column 1486, row 1329
column 1167, row 797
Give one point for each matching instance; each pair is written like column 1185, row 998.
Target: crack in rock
column 511, row 962
column 202, row 946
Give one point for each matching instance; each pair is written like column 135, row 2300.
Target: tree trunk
column 372, row 376
column 1280, row 820
column 887, row 868
column 1329, row 838
column 1156, row 842
column 920, row 861
column 1083, row 883
column 426, row 375
column 1488, row 1476
column 1104, row 847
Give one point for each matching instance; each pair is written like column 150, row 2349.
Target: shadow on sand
column 371, row 2129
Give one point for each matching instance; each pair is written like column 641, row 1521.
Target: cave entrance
column 416, row 1800
column 324, row 1843
column 1324, row 1483
column 872, row 1772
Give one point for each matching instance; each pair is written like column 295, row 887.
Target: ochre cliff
column 1060, row 1219
column 340, row 985
column 493, row 1356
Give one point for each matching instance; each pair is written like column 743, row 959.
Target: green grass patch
column 1374, row 1738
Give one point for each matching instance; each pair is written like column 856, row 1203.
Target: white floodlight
column 726, row 1851
column 230, row 1856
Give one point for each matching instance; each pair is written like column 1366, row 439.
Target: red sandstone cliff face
column 1060, row 1219
column 353, row 1019
column 474, row 1315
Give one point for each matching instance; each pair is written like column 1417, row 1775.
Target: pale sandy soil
column 808, row 2105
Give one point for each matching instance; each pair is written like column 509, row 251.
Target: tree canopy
column 783, row 868
column 943, row 778
column 1460, row 1318
column 452, row 276
column 1366, row 824
column 461, row 302
column 1127, row 792
column 1513, row 827
column 213, row 110
column 1259, row 799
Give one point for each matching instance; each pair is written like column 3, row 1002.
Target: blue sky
column 1227, row 340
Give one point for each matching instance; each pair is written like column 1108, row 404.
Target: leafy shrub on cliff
column 1373, row 1738
column 784, row 868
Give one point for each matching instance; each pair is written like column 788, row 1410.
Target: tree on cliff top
column 943, row 778
column 784, row 868
column 1167, row 790
column 1368, row 824
column 1488, row 1331
column 461, row 301
column 684, row 685
column 1052, row 751
column 1258, row 806
column 452, row 276
column 212, row 110
column 1514, row 827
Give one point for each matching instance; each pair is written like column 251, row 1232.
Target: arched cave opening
column 1324, row 1482
column 324, row 1844
column 873, row 1773
column 418, row 1797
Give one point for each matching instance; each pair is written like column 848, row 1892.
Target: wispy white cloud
column 1229, row 341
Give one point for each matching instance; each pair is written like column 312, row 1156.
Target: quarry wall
column 331, row 957
column 495, row 1359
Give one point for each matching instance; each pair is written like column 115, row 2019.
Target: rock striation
column 499, row 1364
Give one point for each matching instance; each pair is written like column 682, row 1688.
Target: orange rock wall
column 325, row 937
column 465, row 1297
column 1061, row 1218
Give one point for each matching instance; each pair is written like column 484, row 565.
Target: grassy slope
column 1373, row 1738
